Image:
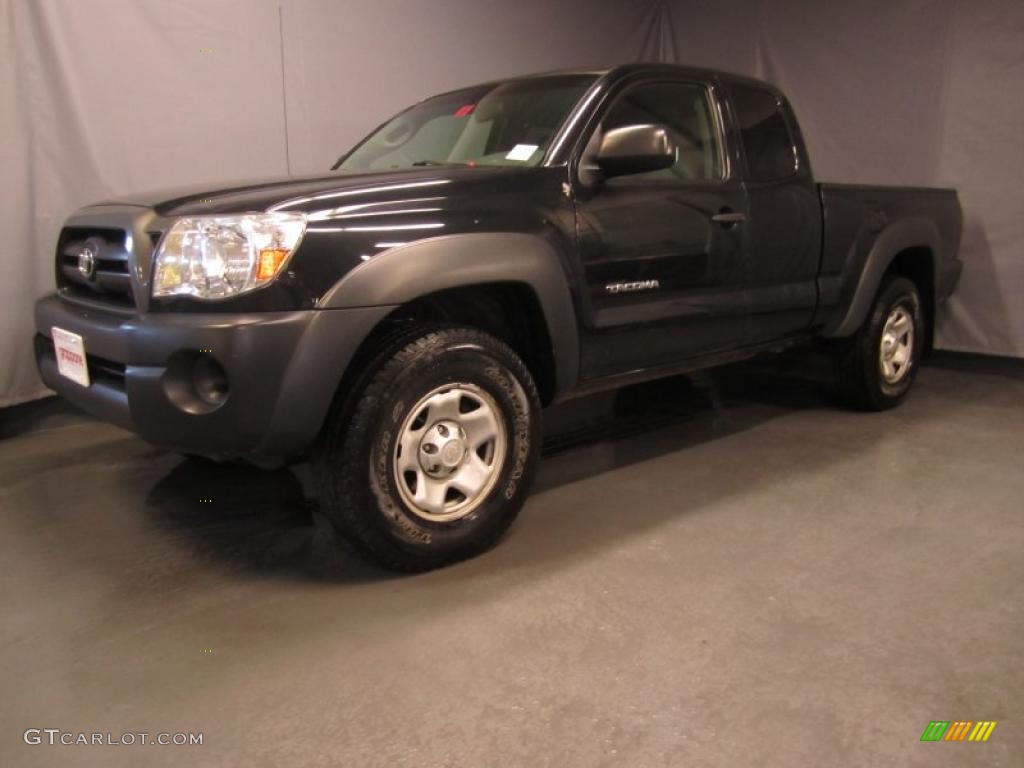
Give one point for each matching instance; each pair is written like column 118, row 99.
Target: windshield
column 508, row 123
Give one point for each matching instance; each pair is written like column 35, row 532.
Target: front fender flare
column 407, row 272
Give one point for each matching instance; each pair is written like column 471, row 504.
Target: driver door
column 661, row 251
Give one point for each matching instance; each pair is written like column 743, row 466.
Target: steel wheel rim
column 896, row 349
column 449, row 452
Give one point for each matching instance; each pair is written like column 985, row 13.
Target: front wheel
column 432, row 457
column 876, row 367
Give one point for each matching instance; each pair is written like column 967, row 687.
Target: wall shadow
column 989, row 365
column 976, row 316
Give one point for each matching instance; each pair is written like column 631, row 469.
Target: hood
column 310, row 193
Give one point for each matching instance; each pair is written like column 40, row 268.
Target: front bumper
column 282, row 369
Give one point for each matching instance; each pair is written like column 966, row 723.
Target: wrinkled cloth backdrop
column 104, row 97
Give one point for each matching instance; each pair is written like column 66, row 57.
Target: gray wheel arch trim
column 914, row 232
column 407, row 272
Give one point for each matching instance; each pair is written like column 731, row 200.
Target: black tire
column 858, row 366
column 354, row 469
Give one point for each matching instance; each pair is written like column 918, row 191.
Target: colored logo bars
column 942, row 730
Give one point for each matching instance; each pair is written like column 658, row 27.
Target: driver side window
column 684, row 109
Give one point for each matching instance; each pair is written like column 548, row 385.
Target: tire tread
column 346, row 429
column 855, row 358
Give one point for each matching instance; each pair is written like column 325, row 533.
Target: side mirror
column 635, row 149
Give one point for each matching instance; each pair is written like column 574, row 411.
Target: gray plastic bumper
column 282, row 370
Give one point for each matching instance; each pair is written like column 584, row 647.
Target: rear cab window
column 769, row 148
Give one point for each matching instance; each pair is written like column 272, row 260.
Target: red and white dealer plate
column 70, row 350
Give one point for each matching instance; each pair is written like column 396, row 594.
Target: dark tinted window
column 685, row 110
column 767, row 143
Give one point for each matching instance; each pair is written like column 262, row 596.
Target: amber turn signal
column 270, row 262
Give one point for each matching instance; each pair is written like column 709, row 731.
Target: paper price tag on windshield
column 521, row 152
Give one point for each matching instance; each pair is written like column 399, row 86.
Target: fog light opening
column 195, row 382
column 209, row 381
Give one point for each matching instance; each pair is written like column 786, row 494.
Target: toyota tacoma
column 402, row 320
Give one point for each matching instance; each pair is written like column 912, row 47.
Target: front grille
column 107, row 370
column 109, row 280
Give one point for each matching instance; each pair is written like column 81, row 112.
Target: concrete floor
column 728, row 573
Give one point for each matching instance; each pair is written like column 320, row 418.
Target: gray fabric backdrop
column 896, row 92
column 102, row 97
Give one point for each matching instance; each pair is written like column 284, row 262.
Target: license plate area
column 70, row 350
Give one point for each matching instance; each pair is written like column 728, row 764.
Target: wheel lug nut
column 442, row 430
column 429, row 448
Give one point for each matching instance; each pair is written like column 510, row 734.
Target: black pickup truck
column 402, row 320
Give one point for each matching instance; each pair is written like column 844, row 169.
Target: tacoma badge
column 639, row 285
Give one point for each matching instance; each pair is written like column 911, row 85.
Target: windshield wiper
column 420, row 163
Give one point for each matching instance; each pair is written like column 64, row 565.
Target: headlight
column 214, row 257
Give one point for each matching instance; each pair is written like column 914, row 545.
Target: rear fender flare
column 916, row 232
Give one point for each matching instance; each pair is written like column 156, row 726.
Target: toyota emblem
column 87, row 262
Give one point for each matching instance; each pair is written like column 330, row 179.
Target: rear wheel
column 876, row 367
column 431, row 459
